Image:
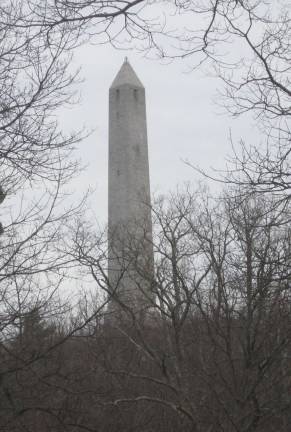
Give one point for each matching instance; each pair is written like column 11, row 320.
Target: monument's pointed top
column 126, row 76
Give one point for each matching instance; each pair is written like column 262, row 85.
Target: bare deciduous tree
column 212, row 354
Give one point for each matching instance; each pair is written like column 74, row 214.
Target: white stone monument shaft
column 129, row 212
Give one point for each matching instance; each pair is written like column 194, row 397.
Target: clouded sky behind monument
column 184, row 122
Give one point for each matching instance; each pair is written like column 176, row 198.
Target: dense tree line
column 212, row 351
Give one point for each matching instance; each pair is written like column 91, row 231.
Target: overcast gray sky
column 184, row 123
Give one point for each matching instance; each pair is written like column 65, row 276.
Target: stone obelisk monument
column 130, row 265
